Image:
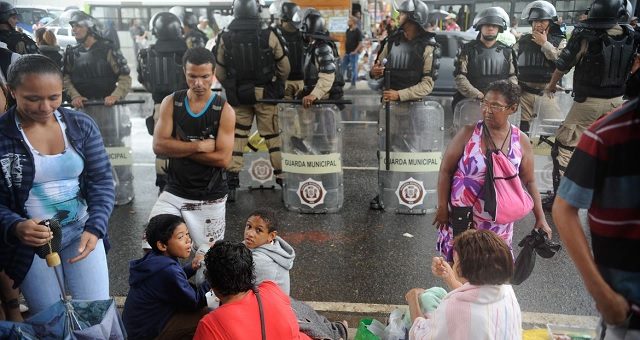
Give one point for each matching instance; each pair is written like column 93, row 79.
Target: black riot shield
column 416, row 143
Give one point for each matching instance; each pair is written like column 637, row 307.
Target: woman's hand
column 441, row 219
column 32, row 234
column 441, row 268
column 413, row 294
column 87, row 244
column 542, row 224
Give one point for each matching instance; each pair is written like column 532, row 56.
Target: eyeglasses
column 493, row 107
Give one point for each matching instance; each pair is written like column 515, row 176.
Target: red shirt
column 240, row 320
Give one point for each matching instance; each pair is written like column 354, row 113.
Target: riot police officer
column 484, row 60
column 193, row 36
column 537, row 52
column 95, row 70
column 322, row 77
column 602, row 52
column 411, row 56
column 17, row 42
column 251, row 64
column 290, row 28
column 160, row 71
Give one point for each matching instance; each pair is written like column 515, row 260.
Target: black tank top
column 186, row 178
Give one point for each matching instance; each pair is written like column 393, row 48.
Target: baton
column 387, row 120
column 299, row 101
column 101, row 102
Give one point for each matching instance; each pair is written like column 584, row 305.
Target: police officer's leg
column 161, row 162
column 291, row 91
column 244, row 119
column 269, row 129
column 527, row 101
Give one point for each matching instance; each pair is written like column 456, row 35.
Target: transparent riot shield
column 469, row 111
column 311, row 158
column 257, row 172
column 115, row 128
column 549, row 112
column 416, row 143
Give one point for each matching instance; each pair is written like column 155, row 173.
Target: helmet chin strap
column 489, row 37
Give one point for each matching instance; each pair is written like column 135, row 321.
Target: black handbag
column 461, row 219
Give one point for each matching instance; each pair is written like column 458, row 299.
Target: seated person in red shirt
column 244, row 308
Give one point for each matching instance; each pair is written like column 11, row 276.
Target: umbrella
column 532, row 244
column 66, row 319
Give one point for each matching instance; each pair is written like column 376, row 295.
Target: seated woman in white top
column 482, row 305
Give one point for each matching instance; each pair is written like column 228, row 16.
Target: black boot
column 233, row 181
column 375, row 203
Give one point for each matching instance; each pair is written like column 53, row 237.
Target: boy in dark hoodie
column 162, row 304
column 272, row 256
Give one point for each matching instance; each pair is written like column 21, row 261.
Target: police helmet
column 417, row 11
column 6, row 11
column 289, row 10
column 165, row 26
column 604, row 13
column 81, row 18
column 245, row 9
column 492, row 16
column 313, row 22
column 539, row 10
column 190, row 20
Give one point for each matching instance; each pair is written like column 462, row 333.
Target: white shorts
column 205, row 219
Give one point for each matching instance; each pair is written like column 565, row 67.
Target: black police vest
column 162, row 71
column 318, row 59
column 295, row 46
column 14, row 38
column 405, row 59
column 186, row 178
column 91, row 73
column 533, row 65
column 604, row 69
column 247, row 56
column 486, row 65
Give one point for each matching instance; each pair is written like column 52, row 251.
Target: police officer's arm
column 119, row 65
column 166, row 145
column 513, row 68
column 221, row 156
column 551, row 52
column 462, row 82
column 568, row 58
column 282, row 61
column 326, row 70
column 425, row 86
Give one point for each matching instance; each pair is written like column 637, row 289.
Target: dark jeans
column 350, row 65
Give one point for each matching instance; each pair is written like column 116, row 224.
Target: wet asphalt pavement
column 357, row 255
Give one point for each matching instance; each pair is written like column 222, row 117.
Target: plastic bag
column 369, row 329
column 395, row 330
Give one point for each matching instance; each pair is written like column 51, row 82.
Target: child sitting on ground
column 273, row 257
column 162, row 304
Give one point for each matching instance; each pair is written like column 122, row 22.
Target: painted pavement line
column 529, row 318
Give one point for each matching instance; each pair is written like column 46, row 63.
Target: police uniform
column 95, row 73
column 296, row 52
column 18, row 42
column 195, row 38
column 251, row 64
column 477, row 66
column 160, row 71
column 602, row 60
column 535, row 67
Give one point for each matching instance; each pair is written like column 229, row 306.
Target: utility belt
column 529, row 89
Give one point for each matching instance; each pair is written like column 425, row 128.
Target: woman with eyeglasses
column 463, row 168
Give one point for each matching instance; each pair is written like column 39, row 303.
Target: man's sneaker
column 375, row 203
